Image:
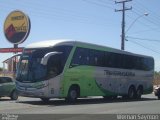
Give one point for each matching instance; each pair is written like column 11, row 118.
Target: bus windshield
column 30, row 68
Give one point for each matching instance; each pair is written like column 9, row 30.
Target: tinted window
column 128, row 62
column 113, row 60
column 1, row 81
column 99, row 58
column 85, row 56
column 8, row 79
column 80, row 57
column 5, row 80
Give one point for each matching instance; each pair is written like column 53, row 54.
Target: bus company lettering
column 17, row 18
column 119, row 73
column 21, row 28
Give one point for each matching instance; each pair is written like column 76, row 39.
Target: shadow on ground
column 82, row 101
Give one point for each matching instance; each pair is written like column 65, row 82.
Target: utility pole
column 15, row 61
column 123, row 20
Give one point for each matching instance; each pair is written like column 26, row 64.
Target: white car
column 157, row 91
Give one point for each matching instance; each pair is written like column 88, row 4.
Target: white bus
column 72, row 69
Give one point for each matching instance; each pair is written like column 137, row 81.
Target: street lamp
column 123, row 33
column 145, row 14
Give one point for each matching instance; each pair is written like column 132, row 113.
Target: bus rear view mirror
column 46, row 57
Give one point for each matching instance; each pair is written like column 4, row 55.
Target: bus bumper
column 29, row 91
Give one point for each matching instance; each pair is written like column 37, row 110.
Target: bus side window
column 108, row 59
column 80, row 57
column 76, row 58
column 150, row 63
column 99, row 58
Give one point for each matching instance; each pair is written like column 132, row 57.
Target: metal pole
column 123, row 21
column 123, row 27
column 15, row 61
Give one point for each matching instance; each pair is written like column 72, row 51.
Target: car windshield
column 5, row 80
column 30, row 68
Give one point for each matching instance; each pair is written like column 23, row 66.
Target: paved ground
column 147, row 105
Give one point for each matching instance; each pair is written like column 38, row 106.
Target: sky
column 93, row 21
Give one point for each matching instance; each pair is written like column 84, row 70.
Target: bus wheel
column 114, row 97
column 124, row 96
column 131, row 92
column 45, row 100
column 107, row 97
column 139, row 92
column 72, row 94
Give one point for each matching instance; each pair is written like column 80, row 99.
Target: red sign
column 8, row 50
column 10, row 31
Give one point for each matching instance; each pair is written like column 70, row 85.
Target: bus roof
column 45, row 44
column 51, row 43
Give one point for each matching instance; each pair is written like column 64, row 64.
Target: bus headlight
column 40, row 85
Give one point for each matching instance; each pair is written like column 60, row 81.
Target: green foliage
column 157, row 74
column 1, row 69
column 156, row 78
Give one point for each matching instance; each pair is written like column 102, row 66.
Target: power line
column 98, row 4
column 150, row 21
column 146, row 14
column 62, row 14
column 48, row 9
column 144, row 24
column 146, row 19
column 146, row 39
column 142, row 6
column 147, row 30
column 151, row 17
column 111, row 0
column 105, row 2
column 143, row 46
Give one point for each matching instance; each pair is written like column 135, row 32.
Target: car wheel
column 14, row 95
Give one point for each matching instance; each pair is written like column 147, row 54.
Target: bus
column 73, row 69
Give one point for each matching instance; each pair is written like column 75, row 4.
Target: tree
column 156, row 78
column 1, row 69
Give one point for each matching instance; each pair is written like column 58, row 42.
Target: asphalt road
column 147, row 105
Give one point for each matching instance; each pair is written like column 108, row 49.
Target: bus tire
column 124, row 96
column 73, row 94
column 107, row 97
column 114, row 97
column 131, row 92
column 45, row 100
column 139, row 92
